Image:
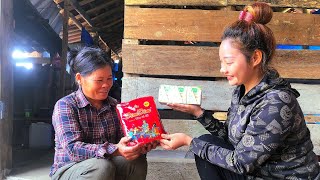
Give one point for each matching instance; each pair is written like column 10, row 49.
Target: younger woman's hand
column 174, row 141
column 149, row 146
column 194, row 110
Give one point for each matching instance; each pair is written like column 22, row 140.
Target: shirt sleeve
column 69, row 135
column 269, row 125
column 213, row 125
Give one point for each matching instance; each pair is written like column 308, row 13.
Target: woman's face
column 234, row 64
column 97, row 85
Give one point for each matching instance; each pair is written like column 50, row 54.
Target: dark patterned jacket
column 268, row 131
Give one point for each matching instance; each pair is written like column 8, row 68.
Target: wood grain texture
column 216, row 95
column 194, row 129
column 208, row 25
column 278, row 3
column 204, row 61
column 281, row 3
column 6, row 86
column 177, row 2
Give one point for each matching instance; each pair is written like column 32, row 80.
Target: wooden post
column 64, row 48
column 6, row 86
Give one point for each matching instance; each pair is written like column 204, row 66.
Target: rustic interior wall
column 6, row 80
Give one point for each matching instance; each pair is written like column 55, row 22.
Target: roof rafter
column 84, row 15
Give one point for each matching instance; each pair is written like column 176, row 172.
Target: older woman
column 89, row 143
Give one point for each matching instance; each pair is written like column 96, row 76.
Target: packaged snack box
column 140, row 120
column 180, row 94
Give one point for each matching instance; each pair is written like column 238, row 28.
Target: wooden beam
column 177, row 60
column 74, row 20
column 119, row 10
column 77, row 33
column 80, row 25
column 104, row 5
column 111, row 20
column 64, row 49
column 311, row 4
column 6, row 86
column 216, row 95
column 176, row 2
column 74, row 38
column 75, row 4
column 84, row 2
column 58, row 1
column 312, row 119
column 74, row 41
column 111, row 24
column 208, row 25
column 35, row 60
column 84, row 15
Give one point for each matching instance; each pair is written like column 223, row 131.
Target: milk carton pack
column 179, row 94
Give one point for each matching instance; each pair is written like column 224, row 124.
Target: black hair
column 87, row 59
column 252, row 34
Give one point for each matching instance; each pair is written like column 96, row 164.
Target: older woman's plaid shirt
column 83, row 132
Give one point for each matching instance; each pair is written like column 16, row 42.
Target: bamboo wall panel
column 279, row 3
column 216, row 94
column 208, row 25
column 204, row 61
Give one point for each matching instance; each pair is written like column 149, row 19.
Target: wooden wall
column 154, row 51
column 6, row 86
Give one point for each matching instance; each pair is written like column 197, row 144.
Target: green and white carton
column 179, row 94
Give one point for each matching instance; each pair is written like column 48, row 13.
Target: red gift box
column 140, row 120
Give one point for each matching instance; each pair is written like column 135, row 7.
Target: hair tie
column 245, row 15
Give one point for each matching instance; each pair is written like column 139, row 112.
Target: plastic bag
column 140, row 120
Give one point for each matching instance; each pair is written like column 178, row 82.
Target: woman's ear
column 256, row 58
column 78, row 78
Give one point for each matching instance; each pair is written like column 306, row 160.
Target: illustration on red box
column 140, row 120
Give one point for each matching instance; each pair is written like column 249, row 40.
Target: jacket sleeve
column 213, row 125
column 270, row 122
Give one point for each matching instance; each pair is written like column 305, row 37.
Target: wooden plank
column 315, row 138
column 312, row 4
column 101, row 6
column 36, row 60
column 84, row 2
column 216, row 95
column 194, row 129
column 222, row 116
column 64, row 52
column 177, row 60
column 208, row 25
column 133, row 87
column 6, row 86
column 312, row 119
column 279, row 3
column 177, row 2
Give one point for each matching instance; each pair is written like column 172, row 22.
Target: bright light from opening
column 17, row 54
column 25, row 65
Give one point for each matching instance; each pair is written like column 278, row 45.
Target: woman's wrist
column 188, row 140
column 199, row 114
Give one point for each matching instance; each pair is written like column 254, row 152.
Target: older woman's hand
column 149, row 146
column 128, row 152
